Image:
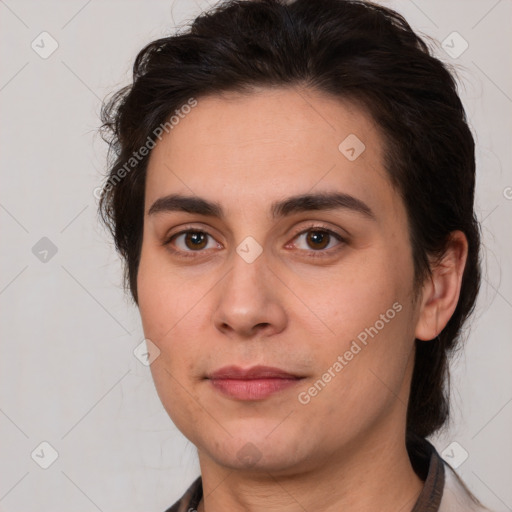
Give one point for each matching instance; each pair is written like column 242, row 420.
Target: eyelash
column 321, row 253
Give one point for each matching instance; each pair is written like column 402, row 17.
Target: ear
column 440, row 293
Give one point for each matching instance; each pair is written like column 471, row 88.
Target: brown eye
column 315, row 241
column 196, row 240
column 190, row 241
column 318, row 239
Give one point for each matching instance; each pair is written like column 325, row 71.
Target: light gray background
column 68, row 373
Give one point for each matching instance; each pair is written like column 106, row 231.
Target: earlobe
column 441, row 291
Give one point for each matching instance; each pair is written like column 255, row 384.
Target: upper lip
column 255, row 372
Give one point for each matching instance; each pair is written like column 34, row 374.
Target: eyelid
column 313, row 225
column 185, row 229
column 188, row 228
column 319, row 226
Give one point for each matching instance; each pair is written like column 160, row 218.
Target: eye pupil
column 197, row 238
column 318, row 237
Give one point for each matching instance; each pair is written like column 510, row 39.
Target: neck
column 372, row 475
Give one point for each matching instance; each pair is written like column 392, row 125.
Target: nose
column 249, row 303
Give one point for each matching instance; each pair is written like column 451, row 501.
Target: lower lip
column 252, row 389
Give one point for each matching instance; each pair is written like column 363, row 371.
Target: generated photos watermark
column 356, row 346
column 143, row 151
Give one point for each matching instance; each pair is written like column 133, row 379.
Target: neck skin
column 373, row 473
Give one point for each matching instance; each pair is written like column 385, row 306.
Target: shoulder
column 444, row 490
column 456, row 496
column 190, row 499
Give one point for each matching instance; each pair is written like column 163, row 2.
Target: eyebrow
column 278, row 209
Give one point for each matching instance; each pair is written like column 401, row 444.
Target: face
column 317, row 292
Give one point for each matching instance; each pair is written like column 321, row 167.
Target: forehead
column 250, row 149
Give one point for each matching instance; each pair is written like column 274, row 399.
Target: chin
column 257, row 454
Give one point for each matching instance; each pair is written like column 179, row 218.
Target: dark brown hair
column 352, row 50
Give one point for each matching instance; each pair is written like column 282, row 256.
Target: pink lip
column 254, row 383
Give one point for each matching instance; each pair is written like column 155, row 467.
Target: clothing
column 443, row 491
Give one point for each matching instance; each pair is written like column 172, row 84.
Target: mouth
column 256, row 383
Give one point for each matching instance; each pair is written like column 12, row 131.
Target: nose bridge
column 248, row 279
column 247, row 298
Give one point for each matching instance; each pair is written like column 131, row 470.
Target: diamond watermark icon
column 44, row 250
column 454, row 454
column 44, row 45
column 146, row 352
column 249, row 249
column 249, row 454
column 351, row 147
column 44, row 455
column 454, row 45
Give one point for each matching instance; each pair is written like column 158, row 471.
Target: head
column 258, row 105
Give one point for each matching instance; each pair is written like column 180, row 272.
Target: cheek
column 171, row 307
column 177, row 396
column 164, row 295
column 364, row 293
column 369, row 378
column 370, row 317
column 165, row 308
